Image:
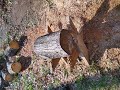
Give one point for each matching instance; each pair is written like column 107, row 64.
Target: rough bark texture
column 49, row 46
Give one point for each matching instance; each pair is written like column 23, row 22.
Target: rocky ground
column 98, row 19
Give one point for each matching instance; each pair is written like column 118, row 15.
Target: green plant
column 66, row 73
column 56, row 82
column 104, row 83
column 28, row 82
column 8, row 38
column 50, row 2
column 25, row 82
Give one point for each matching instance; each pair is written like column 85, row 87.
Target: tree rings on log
column 12, row 49
column 14, row 67
column 6, row 76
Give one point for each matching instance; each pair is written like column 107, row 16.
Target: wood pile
column 55, row 45
column 9, row 67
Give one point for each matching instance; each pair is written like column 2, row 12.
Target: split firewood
column 14, row 67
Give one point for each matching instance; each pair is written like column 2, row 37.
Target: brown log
column 6, row 76
column 12, row 48
column 14, row 44
column 14, row 67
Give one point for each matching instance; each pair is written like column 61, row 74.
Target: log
column 64, row 43
column 57, row 44
column 54, row 45
column 14, row 67
column 6, row 76
column 12, row 48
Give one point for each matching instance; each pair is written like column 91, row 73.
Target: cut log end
column 14, row 44
column 16, row 67
column 8, row 78
column 66, row 41
column 12, row 49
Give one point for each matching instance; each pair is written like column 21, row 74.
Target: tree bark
column 49, row 46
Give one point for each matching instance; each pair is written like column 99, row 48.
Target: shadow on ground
column 25, row 61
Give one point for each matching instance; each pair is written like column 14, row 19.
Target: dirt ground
column 98, row 19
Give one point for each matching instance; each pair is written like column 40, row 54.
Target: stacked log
column 8, row 66
column 12, row 48
column 6, row 76
column 14, row 67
